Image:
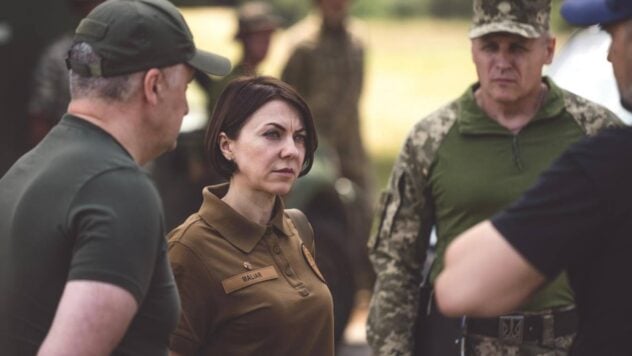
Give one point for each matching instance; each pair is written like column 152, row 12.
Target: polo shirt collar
column 473, row 120
column 235, row 228
column 76, row 121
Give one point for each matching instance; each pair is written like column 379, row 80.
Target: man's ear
column 152, row 82
column 226, row 146
column 550, row 50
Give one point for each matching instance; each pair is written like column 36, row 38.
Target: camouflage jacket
column 327, row 68
column 407, row 216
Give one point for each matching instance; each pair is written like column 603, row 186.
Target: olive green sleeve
column 198, row 311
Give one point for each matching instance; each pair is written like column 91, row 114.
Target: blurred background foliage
column 294, row 10
column 418, row 58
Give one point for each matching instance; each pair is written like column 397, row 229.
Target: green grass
column 414, row 66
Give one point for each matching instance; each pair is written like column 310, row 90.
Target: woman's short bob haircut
column 236, row 104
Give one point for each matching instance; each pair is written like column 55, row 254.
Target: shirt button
column 276, row 249
column 303, row 292
column 288, row 271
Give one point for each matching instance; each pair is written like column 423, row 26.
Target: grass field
column 413, row 67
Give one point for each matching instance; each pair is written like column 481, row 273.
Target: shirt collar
column 75, row 121
column 473, row 120
column 235, row 228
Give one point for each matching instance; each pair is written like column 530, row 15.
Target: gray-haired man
column 84, row 267
column 462, row 164
column 577, row 217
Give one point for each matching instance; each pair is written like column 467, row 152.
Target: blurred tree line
column 294, row 10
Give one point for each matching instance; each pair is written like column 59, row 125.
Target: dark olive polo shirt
column 77, row 207
column 247, row 289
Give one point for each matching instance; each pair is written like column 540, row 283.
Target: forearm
column 397, row 251
column 91, row 319
column 393, row 310
column 484, row 275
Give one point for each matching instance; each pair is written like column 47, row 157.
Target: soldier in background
column 257, row 22
column 181, row 174
column 50, row 94
column 460, row 165
column 327, row 68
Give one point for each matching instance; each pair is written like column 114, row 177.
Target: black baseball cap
column 591, row 12
column 135, row 35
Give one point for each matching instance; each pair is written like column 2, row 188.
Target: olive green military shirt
column 457, row 168
column 247, row 289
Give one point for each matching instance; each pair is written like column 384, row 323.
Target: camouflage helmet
column 256, row 16
column 527, row 18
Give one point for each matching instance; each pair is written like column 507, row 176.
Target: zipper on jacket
column 515, row 149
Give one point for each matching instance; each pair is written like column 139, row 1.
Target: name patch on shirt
column 249, row 278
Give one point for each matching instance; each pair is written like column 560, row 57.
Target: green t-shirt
column 456, row 168
column 481, row 167
column 77, row 207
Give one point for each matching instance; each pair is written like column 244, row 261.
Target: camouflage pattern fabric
column 590, row 116
column 527, row 18
column 398, row 248
column 486, row 346
column 327, row 68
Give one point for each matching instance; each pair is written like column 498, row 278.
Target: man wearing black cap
column 84, row 269
column 181, row 174
column 578, row 217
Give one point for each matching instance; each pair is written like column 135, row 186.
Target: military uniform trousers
column 546, row 333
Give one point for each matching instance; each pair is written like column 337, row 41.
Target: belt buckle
column 511, row 329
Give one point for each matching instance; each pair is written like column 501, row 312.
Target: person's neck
column 515, row 115
column 334, row 27
column 254, row 205
column 249, row 66
column 116, row 120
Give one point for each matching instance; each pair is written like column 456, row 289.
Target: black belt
column 517, row 328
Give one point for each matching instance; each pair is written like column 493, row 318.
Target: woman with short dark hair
column 244, row 267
